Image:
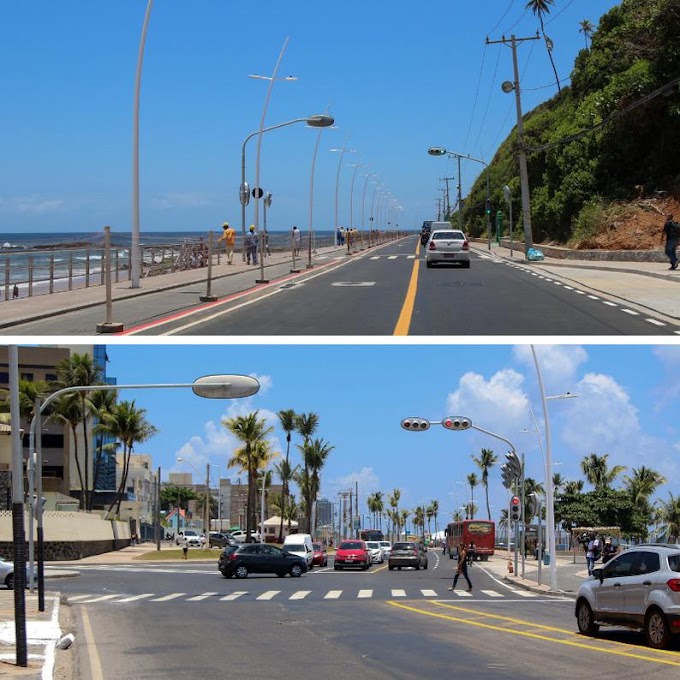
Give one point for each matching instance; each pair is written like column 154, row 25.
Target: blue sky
column 626, row 407
column 397, row 82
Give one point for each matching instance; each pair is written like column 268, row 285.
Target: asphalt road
column 185, row 620
column 385, row 291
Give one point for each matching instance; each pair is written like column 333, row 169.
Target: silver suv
column 640, row 588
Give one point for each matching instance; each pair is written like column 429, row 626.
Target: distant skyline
column 625, row 407
column 397, row 82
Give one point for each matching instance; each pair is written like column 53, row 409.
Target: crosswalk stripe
column 332, row 595
column 233, row 596
column 134, row 598
column 410, row 257
column 524, row 593
column 365, row 593
column 398, row 593
column 268, row 595
column 167, row 598
column 100, row 598
column 300, row 595
column 202, row 596
column 429, row 593
column 75, row 598
column 492, row 593
column 391, row 257
column 462, row 593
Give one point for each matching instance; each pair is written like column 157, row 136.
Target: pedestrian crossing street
column 269, row 595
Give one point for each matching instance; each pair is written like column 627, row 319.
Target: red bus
column 371, row 535
column 481, row 531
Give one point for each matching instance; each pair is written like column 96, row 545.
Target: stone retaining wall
column 562, row 253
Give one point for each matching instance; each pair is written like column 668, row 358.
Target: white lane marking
column 429, row 593
column 524, row 593
column 75, row 598
column 410, row 257
column 365, row 593
column 202, row 596
column 300, row 595
column 332, row 595
column 233, row 596
column 398, row 593
column 492, row 593
column 655, row 322
column 268, row 595
column 609, row 304
column 579, row 292
column 593, row 297
column 632, row 312
column 462, row 593
column 392, row 257
column 100, row 599
column 353, row 284
column 167, row 598
column 375, row 257
column 134, row 598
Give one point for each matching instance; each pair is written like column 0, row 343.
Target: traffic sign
column 244, row 194
column 258, row 192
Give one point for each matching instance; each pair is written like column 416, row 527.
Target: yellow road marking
column 535, row 636
column 95, row 664
column 404, row 321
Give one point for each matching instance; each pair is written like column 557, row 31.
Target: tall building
column 324, row 512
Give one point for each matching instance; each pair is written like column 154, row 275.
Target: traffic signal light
column 456, row 423
column 508, row 478
column 415, row 424
column 514, row 464
column 488, row 206
column 515, row 510
column 534, row 505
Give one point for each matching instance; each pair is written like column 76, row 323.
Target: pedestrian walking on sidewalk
column 297, row 239
column 251, row 245
column 229, row 238
column 671, row 232
column 462, row 568
column 185, row 548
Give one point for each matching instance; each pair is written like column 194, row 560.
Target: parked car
column 220, row 540
column 447, row 246
column 320, row 555
column 386, row 548
column 407, row 554
column 352, row 553
column 376, row 552
column 192, row 537
column 259, row 558
column 240, row 536
column 639, row 588
column 7, row 573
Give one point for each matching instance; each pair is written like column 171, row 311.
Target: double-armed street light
column 316, row 121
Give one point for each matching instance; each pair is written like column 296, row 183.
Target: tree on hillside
column 539, row 8
column 587, row 29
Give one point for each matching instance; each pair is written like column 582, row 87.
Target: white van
column 300, row 544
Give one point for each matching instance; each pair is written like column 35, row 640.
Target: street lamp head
column 225, row 386
column 320, row 120
column 436, row 151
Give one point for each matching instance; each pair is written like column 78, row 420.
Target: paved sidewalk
column 244, row 275
column 650, row 285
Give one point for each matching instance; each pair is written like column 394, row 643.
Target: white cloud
column 558, row 364
column 366, row 477
column 265, row 382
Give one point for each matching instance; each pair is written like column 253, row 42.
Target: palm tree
column 393, row 500
column 129, row 425
column 504, row 523
column 558, row 481
column 306, row 424
column 287, row 421
column 573, row 487
column 177, row 497
column 485, row 462
column 80, row 370
column 587, row 29
column 597, row 472
column 539, row 8
column 249, row 429
column 402, row 515
column 643, row 483
column 286, row 474
column 435, row 511
column 429, row 512
column 472, row 480
column 670, row 516
column 315, row 454
column 458, row 516
column 419, row 518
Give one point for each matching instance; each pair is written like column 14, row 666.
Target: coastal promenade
column 645, row 283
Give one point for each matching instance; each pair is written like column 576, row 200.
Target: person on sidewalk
column 297, row 239
column 462, row 568
column 229, row 238
column 593, row 552
column 185, row 548
column 671, row 232
column 251, row 245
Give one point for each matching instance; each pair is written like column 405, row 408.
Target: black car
column 220, row 540
column 259, row 558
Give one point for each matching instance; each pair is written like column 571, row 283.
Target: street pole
column 206, row 510
column 157, row 518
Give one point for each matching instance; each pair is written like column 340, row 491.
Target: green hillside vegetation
column 625, row 82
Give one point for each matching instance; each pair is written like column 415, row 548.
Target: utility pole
column 447, row 204
column 508, row 87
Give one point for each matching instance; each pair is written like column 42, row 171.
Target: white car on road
column 375, row 551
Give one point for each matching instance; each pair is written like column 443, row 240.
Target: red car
column 320, row 556
column 352, row 553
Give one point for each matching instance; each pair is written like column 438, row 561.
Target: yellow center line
column 535, row 636
column 404, row 321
